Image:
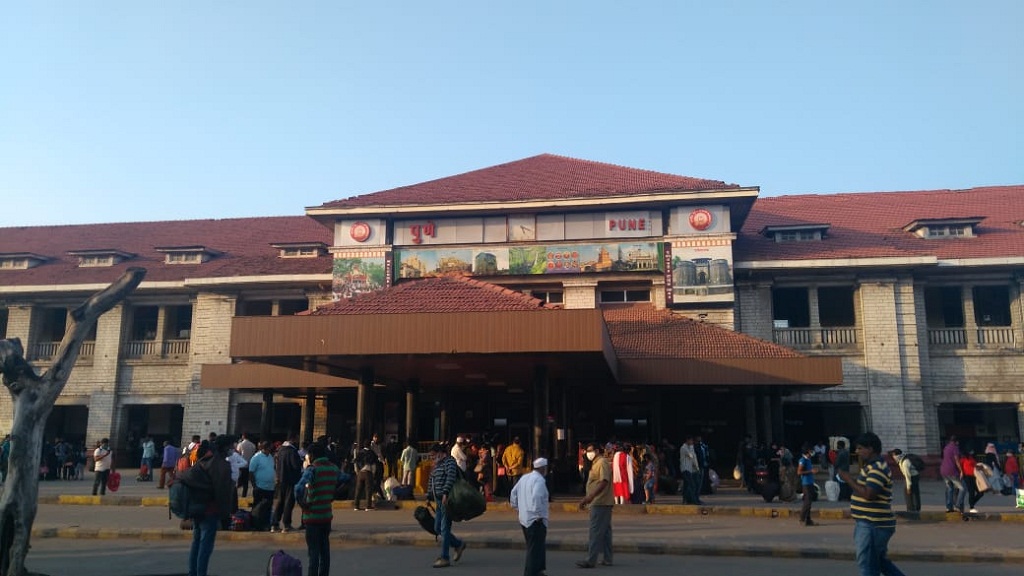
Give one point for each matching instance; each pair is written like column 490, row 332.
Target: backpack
column 283, row 564
column 185, row 501
column 917, row 462
column 241, row 521
column 193, row 455
column 184, row 463
column 425, row 518
column 366, row 457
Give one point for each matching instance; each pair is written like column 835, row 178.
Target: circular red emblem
column 360, row 231
column 701, row 219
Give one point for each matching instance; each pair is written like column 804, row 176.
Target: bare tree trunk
column 33, row 397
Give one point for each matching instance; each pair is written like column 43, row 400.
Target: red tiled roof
column 641, row 331
column 244, row 244
column 870, row 225
column 543, row 177
column 441, row 295
column 636, row 331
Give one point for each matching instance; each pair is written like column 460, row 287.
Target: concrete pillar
column 814, row 315
column 970, row 325
column 579, row 293
column 750, row 408
column 443, row 421
column 308, row 417
column 364, row 399
column 267, row 415
column 764, row 424
column 891, row 361
column 411, row 393
column 540, row 393
column 1020, row 422
column 778, row 430
column 320, row 417
column 101, row 418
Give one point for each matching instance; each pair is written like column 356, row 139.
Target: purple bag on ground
column 283, row 564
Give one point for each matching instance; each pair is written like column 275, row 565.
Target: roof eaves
column 860, row 262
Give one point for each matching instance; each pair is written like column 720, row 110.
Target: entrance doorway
column 159, row 421
column 814, row 421
column 977, row 424
column 68, row 423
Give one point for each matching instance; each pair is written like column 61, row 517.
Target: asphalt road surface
column 64, row 557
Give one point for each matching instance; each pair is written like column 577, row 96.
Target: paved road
column 105, row 558
column 130, row 535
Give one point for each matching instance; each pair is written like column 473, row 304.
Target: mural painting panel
column 353, row 276
column 702, row 274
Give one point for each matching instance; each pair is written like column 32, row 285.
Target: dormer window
column 100, row 258
column 20, row 260
column 301, row 249
column 797, row 233
column 944, row 228
column 187, row 254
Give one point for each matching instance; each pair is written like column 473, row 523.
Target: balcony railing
column 998, row 337
column 811, row 338
column 155, row 349
column 987, row 337
column 45, row 350
column 947, row 337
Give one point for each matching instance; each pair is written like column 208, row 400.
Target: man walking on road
column 871, row 508
column 600, row 499
column 530, row 498
column 442, row 478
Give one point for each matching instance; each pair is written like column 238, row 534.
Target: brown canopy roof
column 458, row 332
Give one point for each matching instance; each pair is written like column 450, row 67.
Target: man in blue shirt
column 805, row 471
column 261, row 474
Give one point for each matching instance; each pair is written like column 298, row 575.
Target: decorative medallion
column 701, row 219
column 360, row 231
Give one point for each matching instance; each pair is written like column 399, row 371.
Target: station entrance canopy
column 457, row 332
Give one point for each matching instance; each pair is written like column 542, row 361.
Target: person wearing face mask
column 600, row 499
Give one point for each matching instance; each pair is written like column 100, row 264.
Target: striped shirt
column 876, row 476
column 322, row 478
column 443, row 477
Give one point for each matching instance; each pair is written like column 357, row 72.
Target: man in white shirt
column 102, row 457
column 459, row 453
column 530, row 497
column 247, row 450
column 690, row 468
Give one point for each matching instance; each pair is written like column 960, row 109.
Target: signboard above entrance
column 529, row 260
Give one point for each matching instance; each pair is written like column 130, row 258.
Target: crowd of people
column 284, row 475
column 968, row 479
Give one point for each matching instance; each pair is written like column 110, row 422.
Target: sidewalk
column 733, row 523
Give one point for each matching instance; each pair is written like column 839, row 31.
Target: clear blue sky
column 136, row 111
